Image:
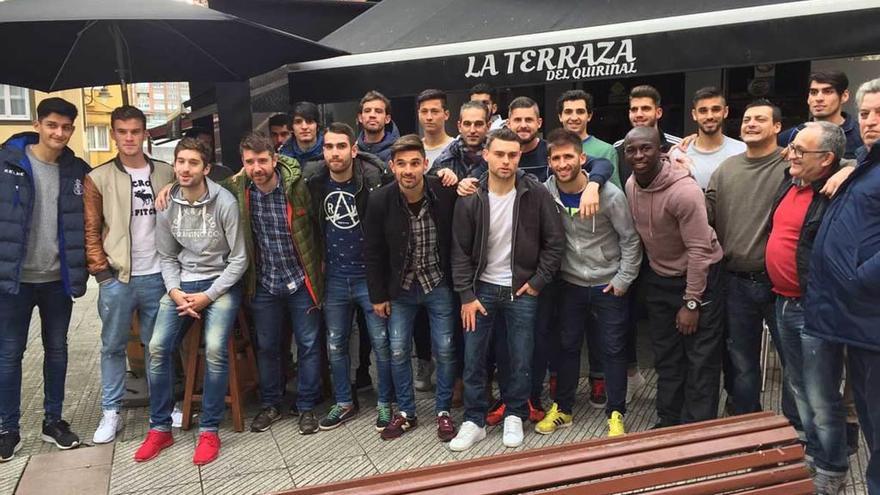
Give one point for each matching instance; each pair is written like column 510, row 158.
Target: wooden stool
column 242, row 370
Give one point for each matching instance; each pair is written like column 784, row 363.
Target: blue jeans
column 440, row 305
column 218, row 319
column 824, row 417
column 519, row 314
column 342, row 296
column 15, row 319
column 609, row 327
column 790, row 325
column 268, row 312
column 117, row 302
column 866, row 388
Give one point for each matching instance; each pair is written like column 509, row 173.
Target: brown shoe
column 458, row 393
column 398, row 426
column 446, row 430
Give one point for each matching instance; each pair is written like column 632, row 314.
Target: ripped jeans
column 268, row 311
column 440, row 305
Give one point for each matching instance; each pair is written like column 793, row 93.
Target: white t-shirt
column 498, row 270
column 706, row 163
column 144, row 256
column 432, row 153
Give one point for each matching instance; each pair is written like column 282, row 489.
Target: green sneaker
column 383, row 418
column 337, row 415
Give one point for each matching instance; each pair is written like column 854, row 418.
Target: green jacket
column 306, row 239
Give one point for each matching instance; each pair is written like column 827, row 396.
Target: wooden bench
column 756, row 454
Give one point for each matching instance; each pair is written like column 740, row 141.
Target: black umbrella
column 60, row 44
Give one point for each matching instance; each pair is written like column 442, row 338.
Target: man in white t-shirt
column 710, row 147
column 433, row 114
column 120, row 222
column 498, row 270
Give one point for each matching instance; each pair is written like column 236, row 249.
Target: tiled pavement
column 250, row 462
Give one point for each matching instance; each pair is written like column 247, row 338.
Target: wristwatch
column 691, row 305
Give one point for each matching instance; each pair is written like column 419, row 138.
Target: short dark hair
column 127, row 112
column 431, row 94
column 256, row 142
column 835, row 78
column 483, row 89
column 523, row 102
column 706, row 93
column 56, row 105
column 574, row 95
column 307, row 111
column 193, row 144
column 375, row 95
column 195, row 131
column 502, row 133
column 473, row 104
column 341, row 128
column 280, row 119
column 764, row 102
column 560, row 137
column 409, row 142
column 645, row 91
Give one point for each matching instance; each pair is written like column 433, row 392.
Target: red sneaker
column 153, row 444
column 553, row 387
column 535, row 413
column 496, row 414
column 207, row 449
column 597, row 393
column 445, row 427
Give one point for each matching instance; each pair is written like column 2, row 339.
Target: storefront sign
column 559, row 63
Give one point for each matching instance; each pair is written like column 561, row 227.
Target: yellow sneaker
column 552, row 420
column 615, row 425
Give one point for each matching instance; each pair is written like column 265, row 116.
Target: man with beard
column 279, row 129
column 644, row 111
column 378, row 131
column 486, row 95
column 575, row 110
column 711, row 146
column 464, row 156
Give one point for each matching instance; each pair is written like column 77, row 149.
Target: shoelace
column 385, row 414
column 154, row 437
column 209, row 439
column 398, row 422
column 335, row 412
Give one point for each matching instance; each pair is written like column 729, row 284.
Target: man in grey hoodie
column 202, row 256
column 602, row 257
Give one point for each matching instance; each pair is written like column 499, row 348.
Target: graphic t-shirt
column 571, row 201
column 144, row 257
column 345, row 238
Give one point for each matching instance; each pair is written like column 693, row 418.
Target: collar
column 253, row 187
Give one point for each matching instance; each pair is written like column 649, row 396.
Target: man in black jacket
column 507, row 245
column 409, row 232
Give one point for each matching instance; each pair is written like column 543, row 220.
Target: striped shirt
column 278, row 267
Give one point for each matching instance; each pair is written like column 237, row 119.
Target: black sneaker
column 308, row 423
column 362, row 380
column 58, row 432
column 383, row 418
column 10, row 443
column 337, row 415
column 263, row 421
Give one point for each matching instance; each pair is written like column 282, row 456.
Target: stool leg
column 193, row 341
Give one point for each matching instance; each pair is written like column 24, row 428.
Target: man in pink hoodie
column 681, row 283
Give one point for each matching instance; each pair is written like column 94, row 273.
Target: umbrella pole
column 120, row 62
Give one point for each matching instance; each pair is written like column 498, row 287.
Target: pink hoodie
column 670, row 216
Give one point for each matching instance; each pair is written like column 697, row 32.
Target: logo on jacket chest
column 12, row 171
column 77, row 187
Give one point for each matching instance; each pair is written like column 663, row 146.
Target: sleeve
column 630, row 242
column 376, row 250
column 463, row 238
column 236, row 263
column 600, row 170
column 168, row 249
column 611, row 156
column 552, row 242
column 93, row 213
column 712, row 197
column 698, row 238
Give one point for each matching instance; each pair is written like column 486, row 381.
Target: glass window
column 15, row 103
column 98, row 137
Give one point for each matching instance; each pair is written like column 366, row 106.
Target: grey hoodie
column 602, row 249
column 201, row 241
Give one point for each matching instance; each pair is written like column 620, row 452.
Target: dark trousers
column 864, row 367
column 546, row 338
column 688, row 366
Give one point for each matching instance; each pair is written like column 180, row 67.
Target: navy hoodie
column 382, row 149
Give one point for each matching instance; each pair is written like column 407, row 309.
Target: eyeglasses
column 794, row 152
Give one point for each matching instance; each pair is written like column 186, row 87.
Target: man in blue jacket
column 42, row 263
column 842, row 297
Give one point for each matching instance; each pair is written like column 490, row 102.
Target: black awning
column 608, row 43
column 312, row 19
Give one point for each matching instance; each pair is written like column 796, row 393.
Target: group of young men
column 503, row 248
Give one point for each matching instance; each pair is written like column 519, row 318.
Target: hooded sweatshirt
column 201, row 240
column 382, row 149
column 670, row 216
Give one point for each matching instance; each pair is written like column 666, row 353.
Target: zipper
column 516, row 204
column 16, row 199
column 483, row 245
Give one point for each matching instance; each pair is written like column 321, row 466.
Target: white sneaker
column 633, row 384
column 176, row 417
column 468, row 435
column 110, row 424
column 513, row 434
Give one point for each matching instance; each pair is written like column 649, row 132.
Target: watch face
column 692, row 305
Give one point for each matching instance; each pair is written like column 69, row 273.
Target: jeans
column 688, row 366
column 218, row 319
column 749, row 304
column 609, row 314
column 117, row 301
column 15, row 318
column 342, row 296
column 440, row 306
column 519, row 314
column 824, row 417
column 268, row 312
column 790, row 327
column 866, row 388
